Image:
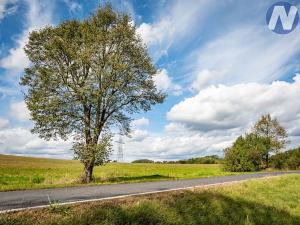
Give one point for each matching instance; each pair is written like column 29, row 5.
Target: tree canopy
column 274, row 135
column 245, row 154
column 87, row 77
column 251, row 152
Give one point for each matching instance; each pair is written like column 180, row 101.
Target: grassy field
column 18, row 173
column 269, row 201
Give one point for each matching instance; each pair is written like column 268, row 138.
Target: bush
column 37, row 179
column 246, row 154
column 279, row 161
column 287, row 160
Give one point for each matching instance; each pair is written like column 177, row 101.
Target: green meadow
column 17, row 173
column 268, row 201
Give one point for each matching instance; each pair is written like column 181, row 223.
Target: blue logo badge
column 282, row 17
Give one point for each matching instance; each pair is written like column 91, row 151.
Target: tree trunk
column 88, row 173
column 267, row 160
column 89, row 166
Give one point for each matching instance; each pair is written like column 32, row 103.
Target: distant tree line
column 211, row 159
column 143, row 161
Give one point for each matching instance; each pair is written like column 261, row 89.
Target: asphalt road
column 16, row 200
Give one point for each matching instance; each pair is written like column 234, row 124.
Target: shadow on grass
column 173, row 209
column 132, row 178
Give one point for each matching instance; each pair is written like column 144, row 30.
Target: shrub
column 287, row 160
column 37, row 179
column 246, row 154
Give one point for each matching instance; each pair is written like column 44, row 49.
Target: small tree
column 273, row 133
column 87, row 76
column 245, row 154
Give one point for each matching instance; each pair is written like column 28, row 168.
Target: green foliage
column 98, row 152
column 286, row 160
column 37, row 179
column 87, row 77
column 143, row 161
column 246, row 154
column 251, row 153
column 274, row 134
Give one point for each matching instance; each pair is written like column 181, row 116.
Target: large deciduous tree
column 86, row 77
column 273, row 133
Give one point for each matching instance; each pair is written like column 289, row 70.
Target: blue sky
column 218, row 61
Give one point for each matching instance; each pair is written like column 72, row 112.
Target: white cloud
column 139, row 135
column 16, row 59
column 175, row 145
column 210, row 121
column 7, row 7
column 19, row 111
column 164, row 82
column 39, row 14
column 21, row 141
column 226, row 107
column 140, row 122
column 205, row 78
column 3, row 123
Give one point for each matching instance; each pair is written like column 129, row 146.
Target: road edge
column 139, row 194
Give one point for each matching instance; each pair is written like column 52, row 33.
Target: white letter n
column 286, row 20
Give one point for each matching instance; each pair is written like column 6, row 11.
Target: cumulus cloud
column 21, row 141
column 3, row 123
column 140, row 122
column 164, row 82
column 139, row 135
column 226, row 107
column 205, row 78
column 175, row 145
column 19, row 111
column 210, row 121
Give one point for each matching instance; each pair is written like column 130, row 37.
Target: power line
column 120, row 149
